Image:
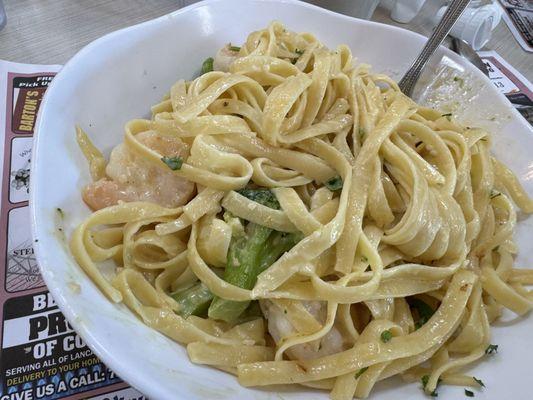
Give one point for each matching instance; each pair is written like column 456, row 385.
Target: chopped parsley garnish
column 174, row 163
column 425, row 380
column 491, row 349
column 425, row 312
column 360, row 372
column 458, row 79
column 478, row 381
column 469, row 393
column 234, row 48
column 386, row 336
column 299, row 53
column 207, row 65
column 334, row 184
column 494, row 193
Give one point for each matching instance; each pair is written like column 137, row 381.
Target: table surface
column 52, row 31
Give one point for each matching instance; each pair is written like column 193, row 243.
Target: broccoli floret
column 261, row 196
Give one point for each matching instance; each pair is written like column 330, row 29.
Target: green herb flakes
column 425, row 380
column 386, row 336
column 469, row 393
column 334, row 184
column 207, row 65
column 360, row 372
column 494, row 194
column 174, row 163
column 425, row 312
column 478, row 381
column 491, row 349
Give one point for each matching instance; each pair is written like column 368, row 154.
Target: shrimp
column 280, row 327
column 224, row 58
column 130, row 178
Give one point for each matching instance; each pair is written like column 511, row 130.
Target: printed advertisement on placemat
column 41, row 356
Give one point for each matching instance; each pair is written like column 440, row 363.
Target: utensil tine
column 449, row 18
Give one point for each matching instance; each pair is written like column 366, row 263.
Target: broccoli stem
column 252, row 312
column 242, row 268
column 247, row 258
column 250, row 255
column 193, row 301
column 278, row 244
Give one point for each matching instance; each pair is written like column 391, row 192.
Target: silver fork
column 451, row 15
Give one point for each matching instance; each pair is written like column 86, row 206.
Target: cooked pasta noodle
column 337, row 233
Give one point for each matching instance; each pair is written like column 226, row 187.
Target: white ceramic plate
column 118, row 77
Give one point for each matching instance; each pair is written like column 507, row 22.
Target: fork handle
column 446, row 23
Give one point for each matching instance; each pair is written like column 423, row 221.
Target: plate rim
column 128, row 375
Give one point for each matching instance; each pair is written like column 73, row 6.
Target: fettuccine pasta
column 293, row 218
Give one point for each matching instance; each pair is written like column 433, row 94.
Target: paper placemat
column 41, row 356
